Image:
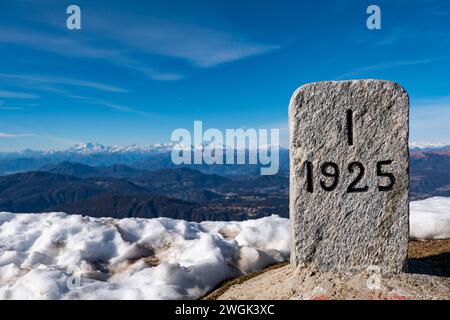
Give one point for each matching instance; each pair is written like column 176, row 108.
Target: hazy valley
column 142, row 182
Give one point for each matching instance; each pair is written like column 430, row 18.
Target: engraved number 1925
column 330, row 173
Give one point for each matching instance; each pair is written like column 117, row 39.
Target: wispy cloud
column 11, row 108
column 38, row 135
column 149, row 72
column 50, row 137
column 76, row 48
column 21, row 106
column 4, row 135
column 68, row 94
column 362, row 70
column 17, row 95
column 114, row 106
column 59, row 44
column 65, row 81
column 204, row 47
column 390, row 38
column 200, row 46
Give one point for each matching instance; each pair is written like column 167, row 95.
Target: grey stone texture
column 337, row 227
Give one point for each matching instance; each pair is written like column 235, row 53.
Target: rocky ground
column 428, row 278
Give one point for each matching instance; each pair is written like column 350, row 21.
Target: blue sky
column 140, row 69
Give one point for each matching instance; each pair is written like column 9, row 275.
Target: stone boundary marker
column 349, row 187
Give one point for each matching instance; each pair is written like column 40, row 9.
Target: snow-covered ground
column 430, row 219
column 40, row 254
column 59, row 256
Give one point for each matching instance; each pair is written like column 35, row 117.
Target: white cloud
column 66, row 81
column 4, row 135
column 112, row 105
column 17, row 95
column 158, row 75
column 38, row 135
column 204, row 47
column 61, row 45
column 72, row 48
column 11, row 108
column 149, row 72
column 388, row 65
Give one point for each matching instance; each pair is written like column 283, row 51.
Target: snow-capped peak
column 88, row 147
column 428, row 146
column 93, row 147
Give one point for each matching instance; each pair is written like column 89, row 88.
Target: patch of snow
column 430, row 219
column 43, row 255
column 60, row 256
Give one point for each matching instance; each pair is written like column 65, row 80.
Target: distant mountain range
column 142, row 157
column 430, row 174
column 89, row 148
column 93, row 154
column 152, row 157
column 143, row 182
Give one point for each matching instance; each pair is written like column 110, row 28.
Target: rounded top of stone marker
column 360, row 84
